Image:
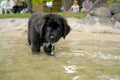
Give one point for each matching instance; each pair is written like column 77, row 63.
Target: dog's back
column 34, row 18
column 32, row 22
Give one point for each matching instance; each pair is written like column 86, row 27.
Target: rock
column 117, row 17
column 12, row 20
column 114, row 8
column 102, row 12
column 97, row 4
column 117, row 25
column 88, row 20
column 105, row 21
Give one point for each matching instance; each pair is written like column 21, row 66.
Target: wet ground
column 81, row 56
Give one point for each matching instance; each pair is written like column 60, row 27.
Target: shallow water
column 82, row 56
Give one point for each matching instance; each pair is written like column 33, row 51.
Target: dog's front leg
column 35, row 46
column 35, row 42
column 52, row 52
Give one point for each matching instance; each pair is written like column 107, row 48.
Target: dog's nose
column 51, row 37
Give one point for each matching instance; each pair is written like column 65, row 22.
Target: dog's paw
column 35, row 51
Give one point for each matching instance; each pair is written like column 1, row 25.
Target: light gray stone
column 114, row 8
column 117, row 25
column 117, row 17
column 89, row 20
column 105, row 21
column 102, row 12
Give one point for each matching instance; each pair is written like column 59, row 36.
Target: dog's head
column 52, row 27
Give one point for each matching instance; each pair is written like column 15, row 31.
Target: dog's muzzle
column 49, row 48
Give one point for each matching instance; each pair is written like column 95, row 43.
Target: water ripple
column 108, row 56
column 108, row 77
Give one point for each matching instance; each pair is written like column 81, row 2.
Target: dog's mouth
column 49, row 48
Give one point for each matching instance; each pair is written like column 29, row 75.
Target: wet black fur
column 46, row 28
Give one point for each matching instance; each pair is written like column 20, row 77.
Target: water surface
column 82, row 56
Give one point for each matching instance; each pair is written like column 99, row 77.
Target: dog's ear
column 40, row 25
column 66, row 28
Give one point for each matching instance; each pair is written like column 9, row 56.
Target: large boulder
column 105, row 21
column 102, row 12
column 117, row 17
column 88, row 20
column 114, row 8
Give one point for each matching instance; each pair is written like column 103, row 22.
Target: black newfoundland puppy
column 45, row 30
